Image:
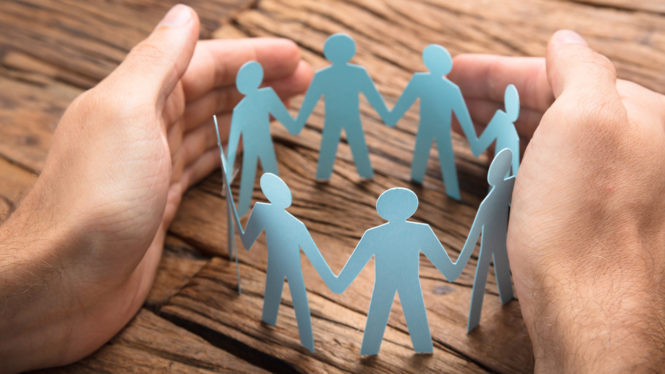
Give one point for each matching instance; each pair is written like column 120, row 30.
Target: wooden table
column 194, row 320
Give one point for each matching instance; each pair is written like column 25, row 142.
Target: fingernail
column 178, row 16
column 570, row 37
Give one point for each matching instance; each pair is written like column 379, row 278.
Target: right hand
column 586, row 237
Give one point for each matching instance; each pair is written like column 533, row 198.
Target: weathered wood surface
column 193, row 319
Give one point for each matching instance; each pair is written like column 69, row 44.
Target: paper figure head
column 499, row 167
column 511, row 100
column 275, row 190
column 339, row 48
column 249, row 77
column 437, row 59
column 397, row 204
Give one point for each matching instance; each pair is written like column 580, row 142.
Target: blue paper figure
column 285, row 235
column 340, row 85
column 251, row 120
column 502, row 128
column 491, row 223
column 396, row 246
column 439, row 99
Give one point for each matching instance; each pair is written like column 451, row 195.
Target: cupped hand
column 586, row 237
column 121, row 158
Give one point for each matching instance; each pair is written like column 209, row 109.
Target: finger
column 203, row 138
column 216, row 62
column 158, row 62
column 204, row 165
column 486, row 77
column 574, row 67
column 225, row 99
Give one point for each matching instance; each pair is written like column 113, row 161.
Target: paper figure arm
column 464, row 119
column 279, row 111
column 359, row 258
column 314, row 93
column 316, row 258
column 436, row 253
column 471, row 240
column 405, row 101
column 375, row 99
column 234, row 139
column 255, row 225
column 490, row 134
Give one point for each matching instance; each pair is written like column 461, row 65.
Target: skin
column 79, row 255
column 586, row 238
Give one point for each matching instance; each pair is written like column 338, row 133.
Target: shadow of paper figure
column 251, row 121
column 439, row 100
column 502, row 129
column 285, row 236
column 340, row 84
column 396, row 247
column 491, row 225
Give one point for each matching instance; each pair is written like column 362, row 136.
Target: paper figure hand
column 390, row 118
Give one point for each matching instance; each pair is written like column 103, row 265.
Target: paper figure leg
column 416, row 319
column 249, row 162
column 329, row 141
column 478, row 291
column 301, row 306
column 377, row 319
column 356, row 139
column 272, row 296
column 516, row 159
column 269, row 161
column 420, row 155
column 502, row 274
column 448, row 168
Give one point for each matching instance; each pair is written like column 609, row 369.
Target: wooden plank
column 211, row 300
column 654, row 6
column 179, row 263
column 29, row 112
column 150, row 343
column 89, row 39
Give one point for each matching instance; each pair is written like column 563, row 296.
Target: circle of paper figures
column 396, row 244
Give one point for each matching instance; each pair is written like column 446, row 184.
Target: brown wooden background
column 193, row 320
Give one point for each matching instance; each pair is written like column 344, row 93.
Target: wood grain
column 193, row 319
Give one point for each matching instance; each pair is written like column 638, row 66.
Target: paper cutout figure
column 251, row 120
column 491, row 223
column 285, row 236
column 396, row 246
column 226, row 183
column 340, row 85
column 439, row 99
column 502, row 129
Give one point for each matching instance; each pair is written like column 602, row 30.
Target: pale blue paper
column 285, row 236
column 396, row 247
column 439, row 100
column 251, row 120
column 491, row 224
column 340, row 84
column 502, row 129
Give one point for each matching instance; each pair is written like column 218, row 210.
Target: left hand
column 121, row 158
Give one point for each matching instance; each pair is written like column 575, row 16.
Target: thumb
column 573, row 66
column 158, row 62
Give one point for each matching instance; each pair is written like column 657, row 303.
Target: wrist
column 593, row 314
column 33, row 320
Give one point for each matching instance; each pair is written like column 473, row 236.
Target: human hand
column 586, row 238
column 79, row 255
